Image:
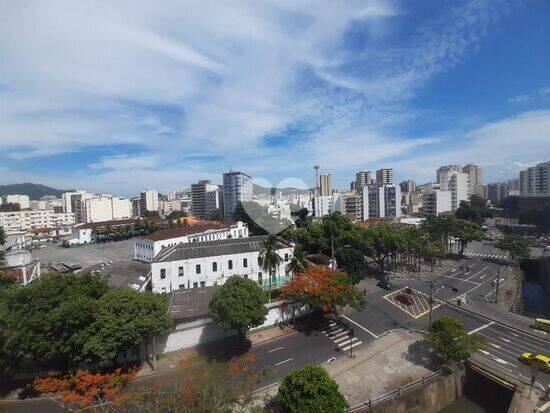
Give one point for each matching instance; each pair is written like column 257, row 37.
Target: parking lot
column 86, row 255
column 419, row 307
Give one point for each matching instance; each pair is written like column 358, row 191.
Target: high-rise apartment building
column 22, row 200
column 149, row 201
column 407, row 186
column 363, row 178
column 206, row 198
column 436, row 202
column 237, row 187
column 535, row 181
column 353, row 186
column 459, row 185
column 476, row 178
column 325, row 184
column 384, row 176
column 446, row 170
column 381, row 201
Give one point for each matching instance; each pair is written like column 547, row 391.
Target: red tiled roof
column 197, row 228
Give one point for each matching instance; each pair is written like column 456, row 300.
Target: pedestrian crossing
column 486, row 255
column 339, row 336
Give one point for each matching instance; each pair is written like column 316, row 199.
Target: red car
column 405, row 299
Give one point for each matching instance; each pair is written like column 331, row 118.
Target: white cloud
column 520, row 99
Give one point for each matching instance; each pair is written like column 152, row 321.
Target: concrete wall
column 204, row 331
column 430, row 398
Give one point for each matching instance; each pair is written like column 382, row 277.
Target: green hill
column 34, row 191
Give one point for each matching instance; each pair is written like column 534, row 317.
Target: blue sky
column 113, row 97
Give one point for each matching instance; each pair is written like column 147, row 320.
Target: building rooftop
column 197, row 228
column 213, row 248
column 112, row 222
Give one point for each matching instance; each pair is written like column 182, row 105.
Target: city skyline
column 175, row 98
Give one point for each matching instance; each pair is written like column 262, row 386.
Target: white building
column 325, row 184
column 16, row 241
column 437, row 202
column 381, row 201
column 475, row 176
column 18, row 221
column 444, row 170
column 204, row 264
column 237, row 187
column 23, row 200
column 322, row 205
column 70, row 199
column 149, row 201
column 146, row 248
column 535, row 181
column 105, row 207
column 459, row 185
column 21, row 265
column 82, row 234
column 206, row 198
column 121, row 207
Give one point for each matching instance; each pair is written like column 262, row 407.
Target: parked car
column 539, row 361
column 405, row 299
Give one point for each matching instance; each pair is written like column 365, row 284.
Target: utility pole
column 351, row 333
column 431, row 301
column 498, row 283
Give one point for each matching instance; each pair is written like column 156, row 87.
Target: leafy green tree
column 2, row 236
column 385, row 241
column 6, row 281
column 10, row 207
column 351, row 261
column 176, row 214
column 475, row 209
column 125, row 318
column 450, row 340
column 215, row 215
column 466, row 232
column 59, row 321
column 238, row 305
column 270, row 258
column 411, row 244
column 516, row 245
column 311, row 390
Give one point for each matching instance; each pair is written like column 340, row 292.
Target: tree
column 465, row 232
column 298, row 263
column 7, row 281
column 125, row 318
column 59, row 321
column 450, row 340
column 384, row 242
column 215, row 215
column 517, row 246
column 176, row 215
column 2, row 236
column 10, row 207
column 311, row 390
column 84, row 389
column 197, row 386
column 322, row 288
column 475, row 209
column 433, row 250
column 351, row 261
column 270, row 258
column 238, row 305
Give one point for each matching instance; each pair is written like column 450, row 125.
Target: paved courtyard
column 86, row 255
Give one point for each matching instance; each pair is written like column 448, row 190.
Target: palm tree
column 298, row 263
column 270, row 259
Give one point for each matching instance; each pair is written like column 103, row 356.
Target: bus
column 542, row 324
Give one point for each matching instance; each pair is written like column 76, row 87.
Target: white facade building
column 105, row 207
column 206, row 198
column 459, row 185
column 535, row 181
column 322, row 205
column 237, row 187
column 325, row 184
column 82, row 235
column 381, row 201
column 149, row 201
column 23, row 200
column 18, row 221
column 204, row 264
column 146, row 248
column 437, row 202
column 121, row 207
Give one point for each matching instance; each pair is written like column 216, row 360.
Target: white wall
column 121, row 208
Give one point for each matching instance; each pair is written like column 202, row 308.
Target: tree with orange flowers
column 324, row 289
column 85, row 389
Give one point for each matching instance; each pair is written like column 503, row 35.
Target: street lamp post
column 432, row 295
column 498, row 283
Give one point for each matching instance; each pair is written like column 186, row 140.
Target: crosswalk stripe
column 346, row 343
column 350, row 346
column 339, row 339
column 343, row 333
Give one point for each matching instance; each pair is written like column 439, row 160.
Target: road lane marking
column 284, row 361
column 461, row 279
column 495, row 345
column 485, row 352
column 501, row 361
column 504, row 339
column 276, row 349
column 475, row 330
column 480, row 271
column 360, row 326
column 351, row 346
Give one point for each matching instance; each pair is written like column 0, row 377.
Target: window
column 260, row 278
column 180, row 272
column 182, row 287
column 259, row 260
column 195, row 285
column 198, row 269
column 214, row 266
column 246, row 276
column 203, row 283
column 230, row 264
column 245, row 262
column 162, row 273
column 286, row 257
